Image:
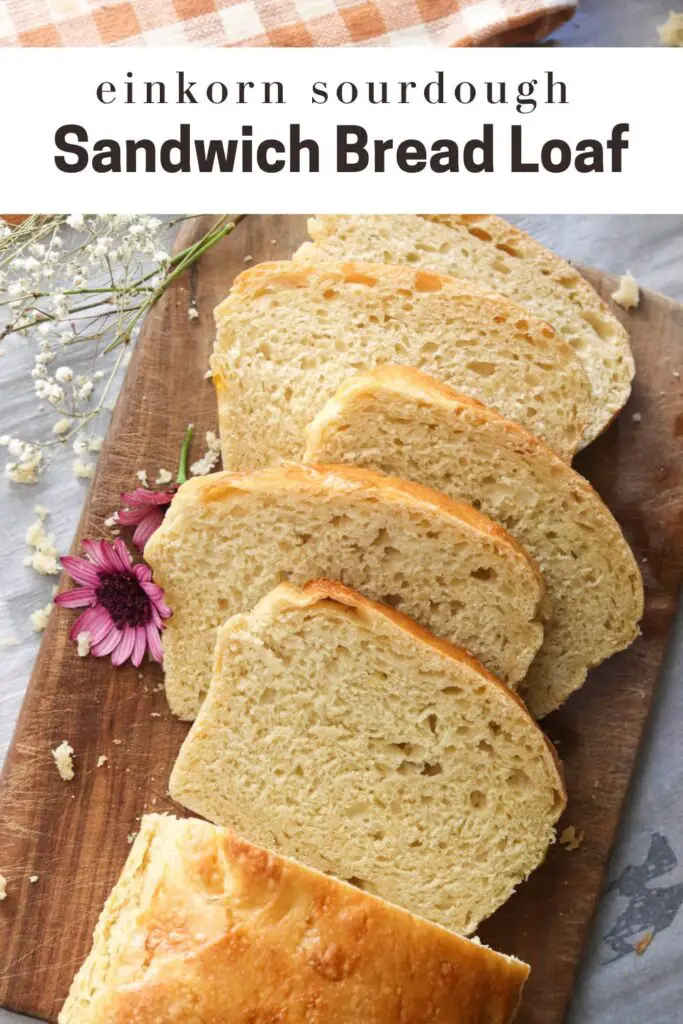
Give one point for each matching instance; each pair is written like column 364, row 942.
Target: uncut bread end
column 228, row 539
column 338, row 731
column 400, row 421
column 202, row 926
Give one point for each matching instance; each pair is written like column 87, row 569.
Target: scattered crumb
column 676, row 374
column 61, row 427
column 102, row 759
column 192, row 313
column 3, row 887
column 33, row 879
column 571, row 838
column 142, row 476
column 9, row 641
column 642, row 944
column 44, row 558
column 112, row 520
column 40, row 617
column 117, row 742
column 637, row 417
column 207, row 462
column 671, row 32
column 130, row 838
column 83, row 641
column 155, row 714
column 82, row 470
column 41, row 512
column 627, row 294
column 209, row 374
column 248, row 259
column 63, row 756
column 165, row 476
column 95, row 444
column 27, row 471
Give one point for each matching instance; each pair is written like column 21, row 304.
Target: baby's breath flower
column 86, row 390
column 64, row 374
column 61, row 427
column 76, row 221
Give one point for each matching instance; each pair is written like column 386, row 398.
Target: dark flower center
column 125, row 600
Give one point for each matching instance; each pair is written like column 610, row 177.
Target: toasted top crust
column 320, row 593
column 320, row 480
column 204, row 928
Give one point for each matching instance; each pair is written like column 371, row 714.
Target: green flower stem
column 182, row 461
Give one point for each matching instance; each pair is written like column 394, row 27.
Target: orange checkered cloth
column 278, row 22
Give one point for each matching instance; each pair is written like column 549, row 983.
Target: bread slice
column 289, row 334
column 338, row 731
column 400, row 421
column 229, row 538
column 204, row 928
column 492, row 252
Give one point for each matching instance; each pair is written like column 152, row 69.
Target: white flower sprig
column 89, row 287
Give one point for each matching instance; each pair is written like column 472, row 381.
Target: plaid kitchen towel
column 278, row 22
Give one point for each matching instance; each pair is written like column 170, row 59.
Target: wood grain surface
column 75, row 836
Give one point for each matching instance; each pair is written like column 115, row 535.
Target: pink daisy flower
column 145, row 509
column 124, row 608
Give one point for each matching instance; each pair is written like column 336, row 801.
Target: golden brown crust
column 287, row 595
column 231, row 934
column 292, row 477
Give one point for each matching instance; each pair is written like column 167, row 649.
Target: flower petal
column 140, row 645
column 99, row 552
column 156, row 651
column 132, row 516
column 143, row 496
column 80, row 570
column 143, row 572
column 76, row 598
column 149, row 524
column 121, row 556
column 123, row 649
column 96, row 621
column 156, row 596
column 107, row 644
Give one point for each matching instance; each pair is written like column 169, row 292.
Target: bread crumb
column 82, row 470
column 9, row 641
column 63, row 757
column 131, row 837
column 112, row 521
column 40, row 617
column 102, row 759
column 676, row 374
column 3, row 887
column 33, row 879
column 627, row 294
column 95, row 444
column 41, row 512
column 209, row 374
column 44, row 558
column 637, row 417
column 248, row 259
column 83, row 641
column 155, row 714
column 671, row 32
column 192, row 313
column 165, row 476
column 117, row 743
column 142, row 476
column 207, row 462
column 642, row 944
column 571, row 838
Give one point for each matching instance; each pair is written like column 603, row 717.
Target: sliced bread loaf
column 339, row 732
column 289, row 334
column 491, row 251
column 402, row 422
column 204, row 928
column 230, row 538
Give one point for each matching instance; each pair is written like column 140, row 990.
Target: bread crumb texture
column 627, row 294
column 495, row 254
column 202, row 926
column 63, row 758
column 3, row 887
column 326, row 708
column 228, row 539
column 571, row 838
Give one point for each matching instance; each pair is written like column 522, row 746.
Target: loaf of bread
column 288, row 334
column 492, row 252
column 339, row 732
column 230, row 538
column 402, row 422
column 204, row 928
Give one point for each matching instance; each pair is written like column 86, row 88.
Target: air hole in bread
column 482, row 235
column 432, row 722
column 519, row 779
column 500, row 267
column 267, row 695
column 393, row 600
column 600, row 326
column 478, row 799
column 511, row 250
column 431, row 769
column 330, row 293
column 484, row 573
column 481, row 368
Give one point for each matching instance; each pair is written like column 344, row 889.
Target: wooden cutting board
column 75, row 836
